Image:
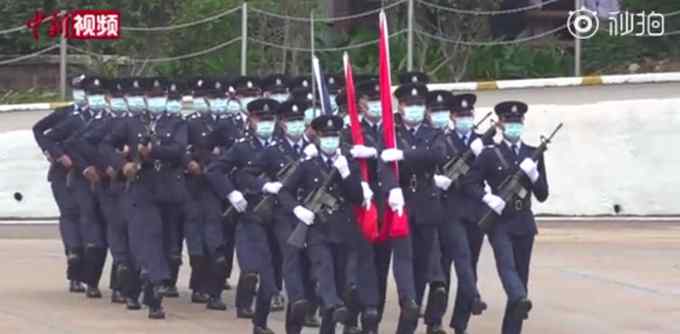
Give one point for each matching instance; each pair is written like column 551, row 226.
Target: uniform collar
column 300, row 142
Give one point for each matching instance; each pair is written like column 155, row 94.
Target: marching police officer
column 50, row 132
column 329, row 242
column 419, row 152
column 157, row 140
column 460, row 210
column 203, row 226
column 512, row 237
column 243, row 188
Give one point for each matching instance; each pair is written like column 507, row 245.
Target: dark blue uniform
column 460, row 236
column 512, row 237
column 239, row 168
column 330, row 243
column 156, row 195
column 51, row 133
column 423, row 152
column 208, row 136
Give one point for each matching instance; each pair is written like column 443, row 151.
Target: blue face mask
column 218, row 105
column 97, row 102
column 295, row 129
column 200, row 105
column 374, row 109
column 79, row 97
column 513, row 131
column 329, row 145
column 310, row 114
column 136, row 103
column 233, row 107
column 464, row 124
column 118, row 105
column 414, row 115
column 156, row 105
column 280, row 98
column 174, row 106
column 265, row 129
column 439, row 119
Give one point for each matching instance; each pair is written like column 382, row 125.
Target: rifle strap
column 450, row 144
column 501, row 158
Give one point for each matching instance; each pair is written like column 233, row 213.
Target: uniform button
column 316, row 180
column 250, row 162
column 413, row 147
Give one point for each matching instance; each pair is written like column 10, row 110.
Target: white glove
column 368, row 194
column 363, row 152
column 304, row 215
column 396, row 200
column 530, row 168
column 310, row 151
column 342, row 166
column 442, row 182
column 392, row 154
column 496, row 203
column 477, row 146
column 237, row 201
column 272, row 187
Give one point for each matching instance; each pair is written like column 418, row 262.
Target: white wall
column 620, row 145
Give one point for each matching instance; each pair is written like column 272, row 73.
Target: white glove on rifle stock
column 304, row 215
column 237, row 201
column 442, row 182
column 496, row 203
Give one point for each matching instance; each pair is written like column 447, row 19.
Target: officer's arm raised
column 540, row 188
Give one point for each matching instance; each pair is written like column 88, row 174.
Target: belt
column 520, row 204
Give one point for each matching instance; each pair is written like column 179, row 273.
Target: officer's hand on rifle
column 129, row 169
column 65, row 161
column 363, row 152
column 272, row 188
column 396, row 201
column 342, row 166
column 530, row 168
column 144, row 150
column 237, row 201
column 477, row 146
column 496, row 203
column 91, row 174
column 304, row 215
column 310, row 151
column 125, row 152
column 368, row 194
column 442, row 182
column 194, row 168
column 392, row 154
column 110, row 172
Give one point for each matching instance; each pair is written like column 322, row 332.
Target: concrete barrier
column 616, row 155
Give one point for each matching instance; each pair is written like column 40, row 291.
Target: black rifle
column 322, row 203
column 265, row 208
column 457, row 166
column 149, row 136
column 511, row 186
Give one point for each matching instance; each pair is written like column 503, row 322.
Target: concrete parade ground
column 586, row 277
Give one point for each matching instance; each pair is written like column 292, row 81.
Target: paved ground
column 587, row 277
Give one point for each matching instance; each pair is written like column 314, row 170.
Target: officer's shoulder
column 193, row 116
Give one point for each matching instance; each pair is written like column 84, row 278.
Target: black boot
column 93, row 292
column 521, row 308
column 245, row 292
column 170, row 291
column 340, row 314
column 262, row 330
column 435, row 329
column 117, row 297
column 311, row 319
column 478, row 306
column 297, row 312
column 154, row 301
column 132, row 304
column 369, row 320
column 216, row 303
column 76, row 287
column 199, row 297
column 278, row 303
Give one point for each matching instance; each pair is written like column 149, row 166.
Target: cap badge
column 250, row 84
column 464, row 103
column 294, row 108
column 329, row 124
column 514, row 109
column 414, row 92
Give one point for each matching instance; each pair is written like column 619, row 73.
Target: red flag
column 396, row 225
column 366, row 217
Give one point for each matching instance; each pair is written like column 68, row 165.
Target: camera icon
column 583, row 23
